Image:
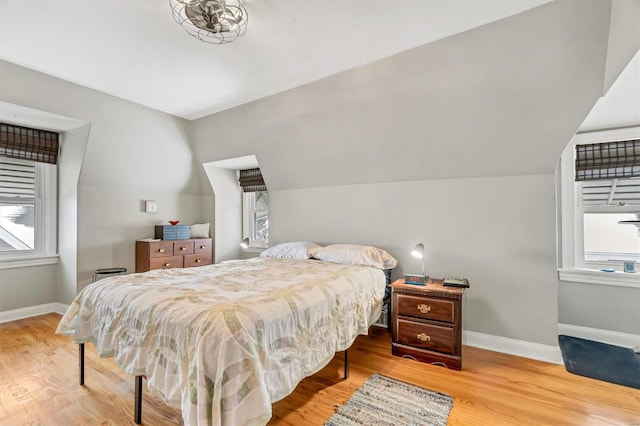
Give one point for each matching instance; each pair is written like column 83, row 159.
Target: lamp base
column 416, row 279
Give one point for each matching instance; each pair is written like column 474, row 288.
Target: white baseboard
column 505, row 345
column 604, row 336
column 32, row 311
column 546, row 352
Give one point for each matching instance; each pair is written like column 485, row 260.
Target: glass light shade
column 418, row 251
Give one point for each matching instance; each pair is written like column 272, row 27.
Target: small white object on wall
column 150, row 206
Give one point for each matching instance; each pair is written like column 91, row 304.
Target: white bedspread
column 223, row 342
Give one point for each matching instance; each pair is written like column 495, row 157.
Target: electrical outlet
column 150, row 206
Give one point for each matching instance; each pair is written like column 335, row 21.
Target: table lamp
column 417, row 253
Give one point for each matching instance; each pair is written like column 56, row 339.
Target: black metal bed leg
column 137, row 409
column 346, row 364
column 81, row 359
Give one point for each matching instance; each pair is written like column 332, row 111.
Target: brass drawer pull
column 161, row 250
column 423, row 337
column 183, row 248
column 425, row 309
column 167, row 264
column 203, row 246
column 198, row 260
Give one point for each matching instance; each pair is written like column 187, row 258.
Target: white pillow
column 352, row 254
column 200, row 230
column 300, row 250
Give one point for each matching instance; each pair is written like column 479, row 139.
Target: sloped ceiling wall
column 499, row 100
column 624, row 38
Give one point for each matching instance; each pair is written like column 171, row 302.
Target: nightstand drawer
column 426, row 336
column 166, row 262
column 198, row 259
column 425, row 307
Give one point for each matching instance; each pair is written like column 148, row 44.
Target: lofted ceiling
column 620, row 106
column 134, row 50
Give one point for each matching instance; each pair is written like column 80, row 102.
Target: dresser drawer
column 425, row 307
column 160, row 249
column 180, row 248
column 426, row 336
column 202, row 246
column 166, row 262
column 198, row 259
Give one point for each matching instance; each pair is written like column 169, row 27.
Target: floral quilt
column 225, row 341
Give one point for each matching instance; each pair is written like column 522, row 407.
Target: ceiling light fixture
column 211, row 21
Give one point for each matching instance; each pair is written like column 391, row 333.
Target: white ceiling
column 134, row 49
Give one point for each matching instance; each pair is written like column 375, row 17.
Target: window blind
column 608, row 160
column 251, row 180
column 28, row 144
column 17, row 180
column 613, row 192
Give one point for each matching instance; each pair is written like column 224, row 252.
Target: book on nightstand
column 455, row 282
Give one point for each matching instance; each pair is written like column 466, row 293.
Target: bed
column 224, row 342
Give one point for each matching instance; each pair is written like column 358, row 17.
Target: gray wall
column 502, row 99
column 74, row 143
column 469, row 128
column 495, row 106
column 601, row 307
column 228, row 212
column 498, row 232
column 133, row 153
column 25, row 287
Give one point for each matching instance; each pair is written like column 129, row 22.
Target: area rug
column 385, row 401
column 609, row 363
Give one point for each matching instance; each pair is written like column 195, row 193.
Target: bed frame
column 137, row 407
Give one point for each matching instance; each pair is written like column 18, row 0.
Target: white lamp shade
column 418, row 251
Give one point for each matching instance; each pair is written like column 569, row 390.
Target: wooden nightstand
column 427, row 322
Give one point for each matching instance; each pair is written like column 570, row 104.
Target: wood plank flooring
column 39, row 386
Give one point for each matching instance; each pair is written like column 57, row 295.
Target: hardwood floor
column 39, row 386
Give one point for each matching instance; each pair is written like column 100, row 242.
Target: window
column 28, row 222
column 599, row 213
column 27, row 208
column 255, row 208
column 608, row 211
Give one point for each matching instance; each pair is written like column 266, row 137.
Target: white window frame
column 572, row 265
column 248, row 224
column 46, row 224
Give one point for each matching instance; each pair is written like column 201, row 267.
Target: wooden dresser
column 165, row 254
column 427, row 323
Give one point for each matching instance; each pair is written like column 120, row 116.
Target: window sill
column 594, row 276
column 253, row 249
column 25, row 262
